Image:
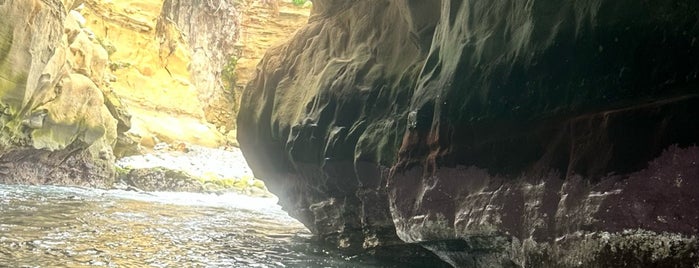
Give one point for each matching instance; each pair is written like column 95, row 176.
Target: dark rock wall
column 324, row 117
column 508, row 133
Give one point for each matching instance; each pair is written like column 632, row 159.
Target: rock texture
column 261, row 29
column 56, row 127
column 167, row 59
column 497, row 133
column 211, row 29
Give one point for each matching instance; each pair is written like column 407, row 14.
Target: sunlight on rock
column 190, row 168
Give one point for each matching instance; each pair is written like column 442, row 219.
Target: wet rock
column 212, row 170
column 159, row 179
column 493, row 134
column 71, row 166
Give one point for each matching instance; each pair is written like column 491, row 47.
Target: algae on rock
column 54, row 117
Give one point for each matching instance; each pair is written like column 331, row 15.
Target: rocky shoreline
column 189, row 168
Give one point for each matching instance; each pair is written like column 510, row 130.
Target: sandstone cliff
column 167, row 59
column 83, row 81
column 494, row 133
column 57, row 127
column 210, row 29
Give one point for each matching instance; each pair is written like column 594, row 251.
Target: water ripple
column 46, row 226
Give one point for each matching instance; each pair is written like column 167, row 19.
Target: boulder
column 495, row 134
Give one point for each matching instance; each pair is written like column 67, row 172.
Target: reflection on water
column 50, row 226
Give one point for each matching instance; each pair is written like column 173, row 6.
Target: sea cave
column 333, row 133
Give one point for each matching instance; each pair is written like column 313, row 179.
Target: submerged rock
column 499, row 133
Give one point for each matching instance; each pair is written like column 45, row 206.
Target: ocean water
column 49, row 226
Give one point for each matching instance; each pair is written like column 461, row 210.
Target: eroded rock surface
column 210, row 28
column 56, row 128
column 500, row 133
column 167, row 59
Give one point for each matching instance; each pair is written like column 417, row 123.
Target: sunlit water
column 46, row 226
